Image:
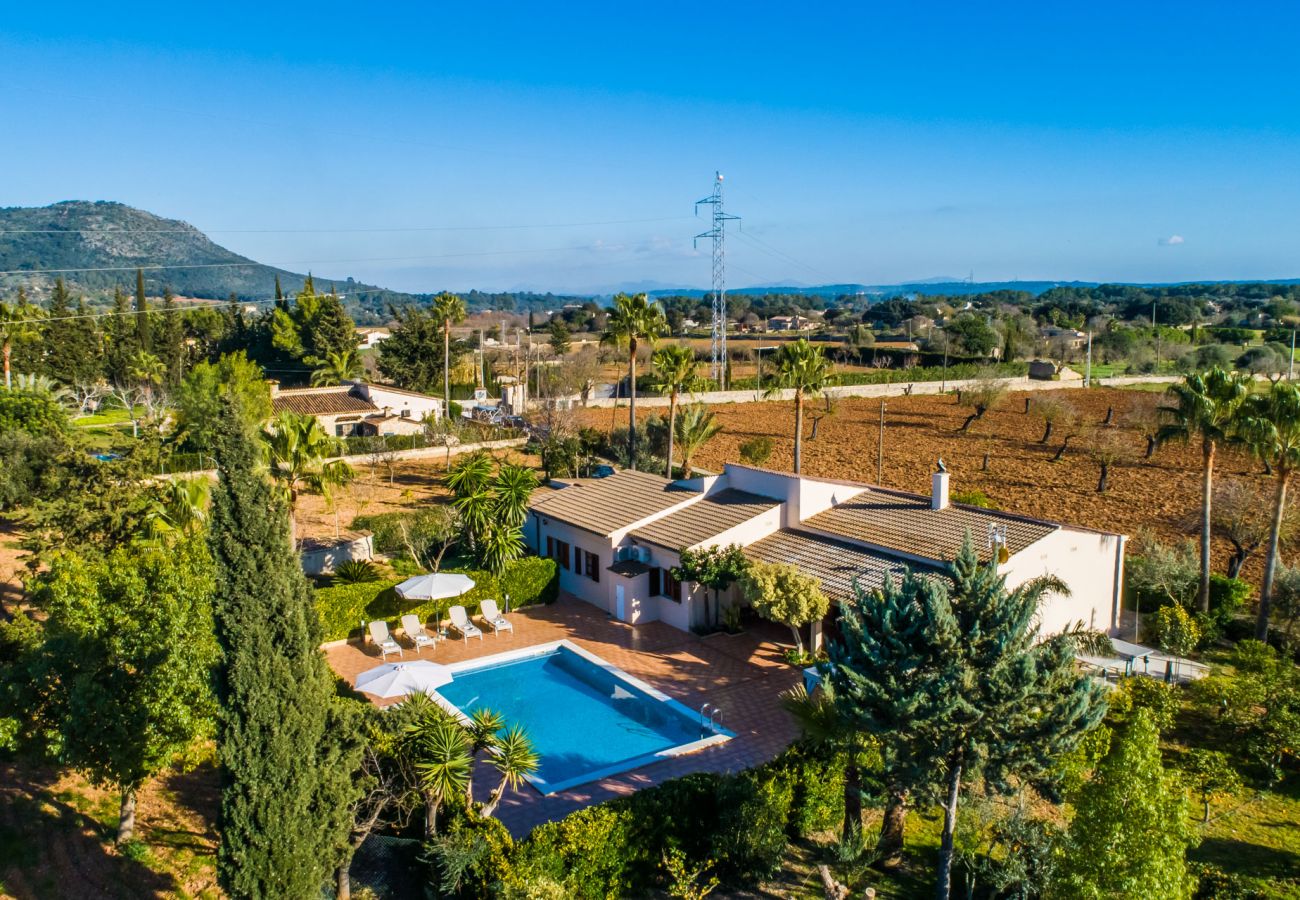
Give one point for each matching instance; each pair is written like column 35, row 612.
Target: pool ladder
column 708, row 712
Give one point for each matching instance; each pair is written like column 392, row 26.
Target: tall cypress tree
column 171, row 339
column 143, row 327
column 119, row 340
column 287, row 746
column 953, row 681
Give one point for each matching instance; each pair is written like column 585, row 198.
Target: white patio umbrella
column 402, row 678
column 438, row 586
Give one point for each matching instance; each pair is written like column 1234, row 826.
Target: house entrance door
column 619, row 603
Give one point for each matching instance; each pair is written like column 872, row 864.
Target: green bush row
column 343, row 607
column 740, row 824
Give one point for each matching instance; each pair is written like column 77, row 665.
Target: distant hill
column 114, row 239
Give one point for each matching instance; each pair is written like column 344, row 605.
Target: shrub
column 32, row 412
column 974, row 497
column 356, row 571
column 343, row 607
column 755, row 451
column 589, row 852
column 754, row 808
column 469, row 857
column 1176, row 630
column 530, row 580
column 1227, row 596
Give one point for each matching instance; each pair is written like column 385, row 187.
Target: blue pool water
column 584, row 720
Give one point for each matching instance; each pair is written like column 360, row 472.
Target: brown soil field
column 412, row 482
column 1160, row 495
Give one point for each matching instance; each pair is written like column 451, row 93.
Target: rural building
column 372, row 337
column 358, row 408
column 1069, row 338
column 790, row 323
column 616, row 539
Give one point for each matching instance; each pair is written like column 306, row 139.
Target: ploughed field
column 1161, row 495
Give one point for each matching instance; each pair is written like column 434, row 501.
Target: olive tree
column 781, row 593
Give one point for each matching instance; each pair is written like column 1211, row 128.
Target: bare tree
column 1144, row 418
column 88, row 394
column 1241, row 514
column 130, row 396
column 1050, row 409
column 1068, row 423
column 981, row 396
column 1107, row 448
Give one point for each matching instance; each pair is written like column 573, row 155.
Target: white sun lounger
column 460, row 621
column 416, row 634
column 492, row 617
column 383, row 640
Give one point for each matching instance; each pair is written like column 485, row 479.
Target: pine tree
column 330, row 331
column 1131, row 827
column 287, row 747
column 71, row 340
column 952, row 680
column 279, row 293
column 143, row 327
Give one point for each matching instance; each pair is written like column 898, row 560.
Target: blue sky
column 860, row 142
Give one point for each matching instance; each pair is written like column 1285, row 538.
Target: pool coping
column 548, row 788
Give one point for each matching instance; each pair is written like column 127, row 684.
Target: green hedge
column 343, row 607
column 742, row 823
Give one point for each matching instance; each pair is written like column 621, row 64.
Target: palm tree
column 499, row 545
column 17, row 323
column 298, row 447
column 440, row 751
column 1271, row 427
column 514, row 758
column 511, row 489
column 1205, row 406
column 182, row 506
column 824, row 728
column 338, row 368
column 484, row 724
column 633, row 319
column 470, row 474
column 675, row 368
column 803, row 368
column 695, row 428
column 448, row 309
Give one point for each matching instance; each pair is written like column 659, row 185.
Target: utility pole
column 1290, row 371
column 1155, row 328
column 1087, row 372
column 718, row 344
column 880, row 447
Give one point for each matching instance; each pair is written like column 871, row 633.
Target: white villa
column 617, row 538
column 358, row 408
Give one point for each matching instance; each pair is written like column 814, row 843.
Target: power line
column 377, row 230
column 294, row 262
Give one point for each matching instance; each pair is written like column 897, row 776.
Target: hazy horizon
column 506, row 148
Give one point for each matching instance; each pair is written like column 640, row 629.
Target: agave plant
column 356, row 571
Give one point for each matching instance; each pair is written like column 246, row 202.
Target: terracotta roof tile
column 320, row 403
column 905, row 523
column 838, row 564
column 604, row 505
column 700, row 521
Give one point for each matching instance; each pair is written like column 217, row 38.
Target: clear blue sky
column 860, row 142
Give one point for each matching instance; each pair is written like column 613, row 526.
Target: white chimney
column 939, row 490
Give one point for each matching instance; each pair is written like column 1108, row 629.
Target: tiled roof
column 905, row 523
column 838, row 564
column 320, row 403
column 700, row 521
column 604, row 505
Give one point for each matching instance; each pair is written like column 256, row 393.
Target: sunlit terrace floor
column 742, row 674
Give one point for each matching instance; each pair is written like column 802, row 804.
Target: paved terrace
column 743, row 674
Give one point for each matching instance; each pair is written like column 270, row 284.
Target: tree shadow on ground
column 49, row 849
column 1242, row 856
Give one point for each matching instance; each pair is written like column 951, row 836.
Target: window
column 663, row 584
column 550, row 547
column 562, row 554
column 592, row 565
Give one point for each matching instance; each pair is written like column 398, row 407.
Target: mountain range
column 97, row 246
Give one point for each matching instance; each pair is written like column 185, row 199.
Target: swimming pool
column 586, row 718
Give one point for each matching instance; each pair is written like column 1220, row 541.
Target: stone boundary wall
column 896, row 389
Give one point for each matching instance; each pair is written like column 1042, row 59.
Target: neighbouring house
column 372, row 337
column 1069, row 338
column 358, row 408
column 616, row 540
column 790, row 323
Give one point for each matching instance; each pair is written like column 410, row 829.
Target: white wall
column 599, row 594
column 1090, row 563
column 397, row 401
